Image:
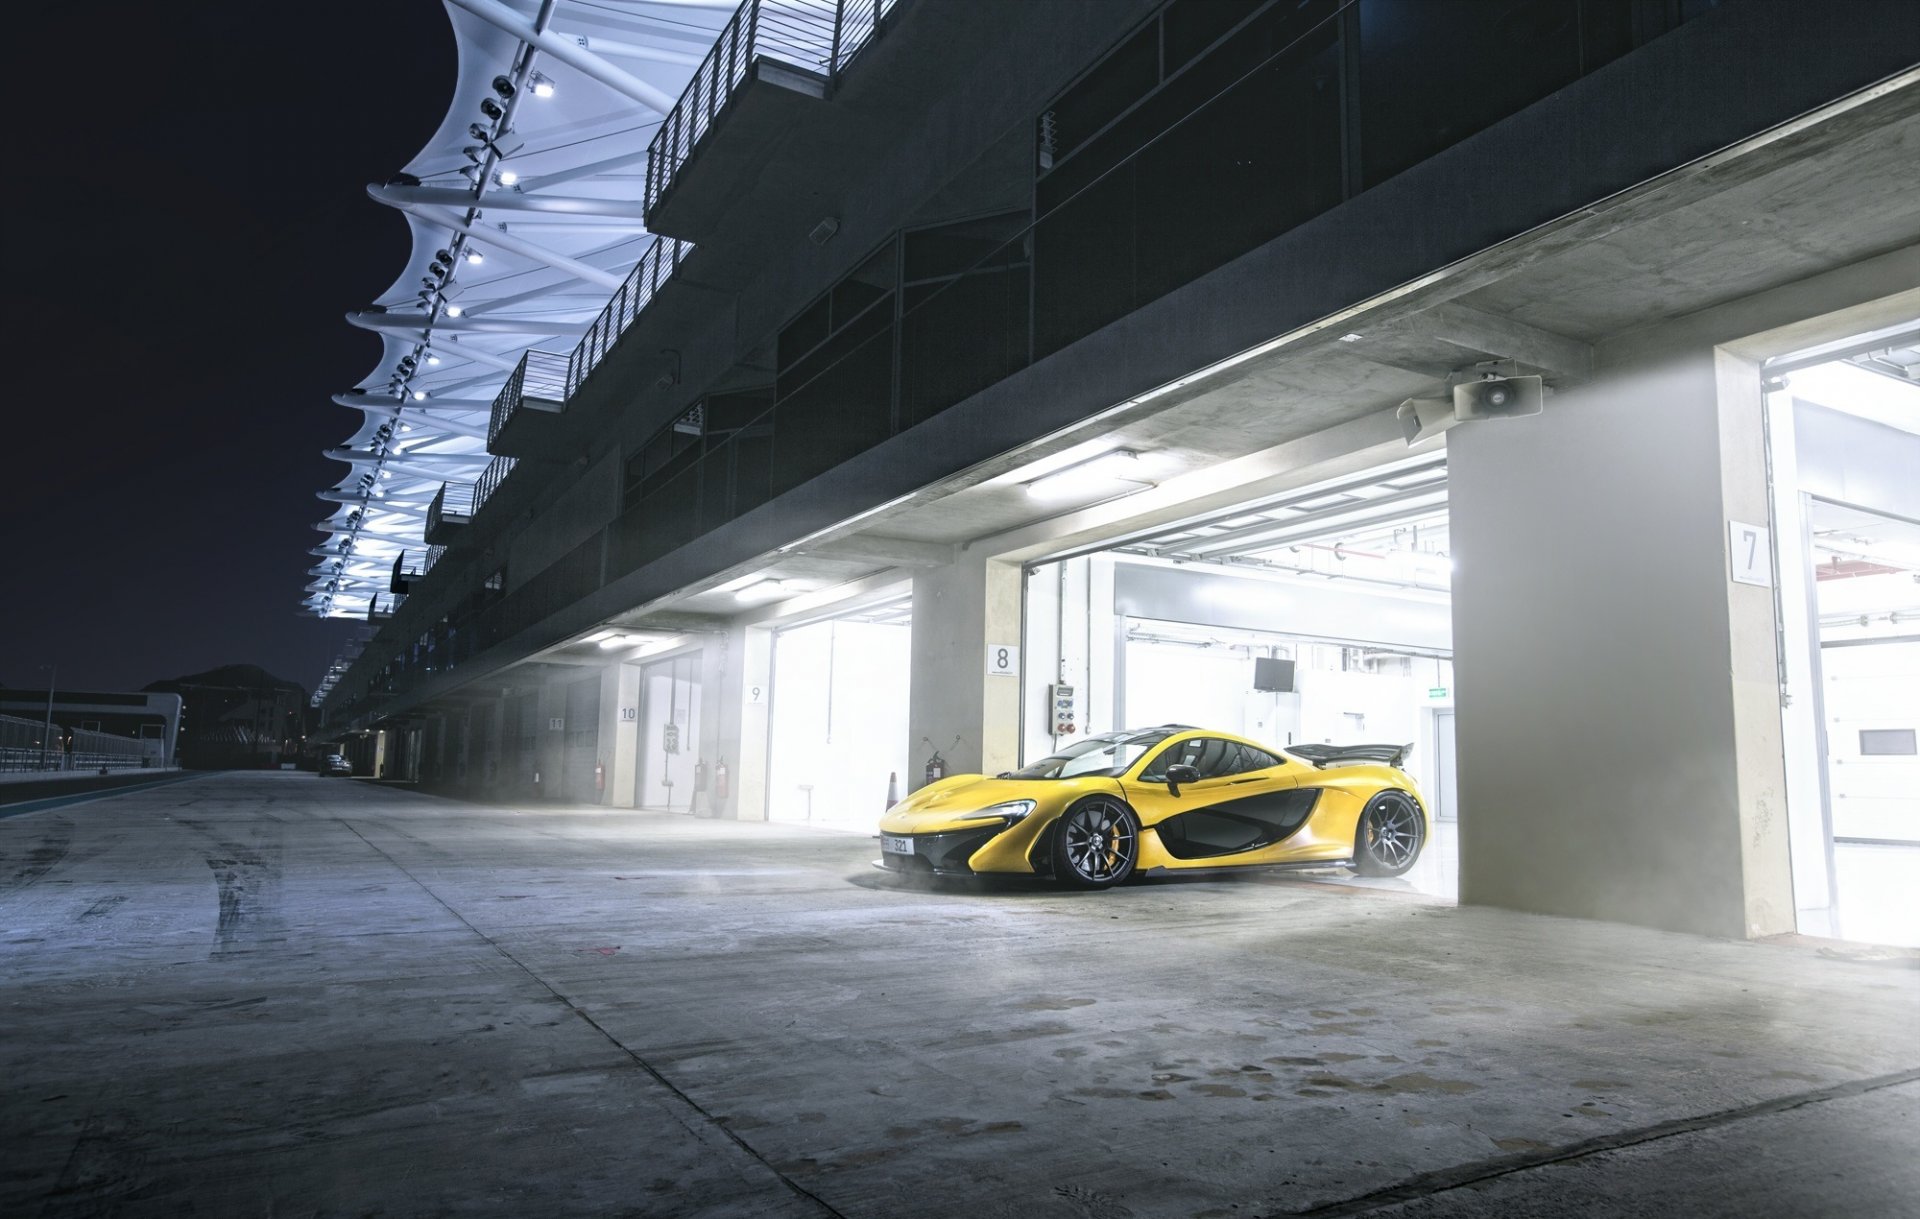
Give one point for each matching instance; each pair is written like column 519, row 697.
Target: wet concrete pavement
column 273, row 994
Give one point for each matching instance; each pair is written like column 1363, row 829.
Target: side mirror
column 1179, row 773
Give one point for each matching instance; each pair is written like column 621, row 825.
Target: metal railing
column 452, row 504
column 540, row 375
column 636, row 292
column 552, row 376
column 490, row 480
column 28, row 745
column 817, row 36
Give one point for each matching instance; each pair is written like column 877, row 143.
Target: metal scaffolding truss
column 525, row 211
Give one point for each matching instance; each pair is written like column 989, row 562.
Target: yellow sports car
column 1164, row 799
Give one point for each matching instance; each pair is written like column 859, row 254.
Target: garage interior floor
column 273, row 994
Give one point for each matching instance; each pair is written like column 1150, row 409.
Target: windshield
column 1108, row 755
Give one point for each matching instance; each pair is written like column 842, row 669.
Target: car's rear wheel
column 1390, row 836
column 1096, row 845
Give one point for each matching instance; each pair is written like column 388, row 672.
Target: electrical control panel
column 1060, row 700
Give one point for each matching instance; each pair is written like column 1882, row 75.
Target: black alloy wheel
column 1096, row 844
column 1390, row 836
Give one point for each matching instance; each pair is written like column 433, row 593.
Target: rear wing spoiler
column 1323, row 756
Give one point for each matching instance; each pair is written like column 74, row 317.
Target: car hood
column 945, row 805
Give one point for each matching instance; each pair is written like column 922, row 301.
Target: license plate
column 892, row 844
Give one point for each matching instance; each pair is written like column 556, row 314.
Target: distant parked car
column 334, row 764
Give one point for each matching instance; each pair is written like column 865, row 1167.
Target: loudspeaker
column 1499, row 398
column 1273, row 674
column 1425, row 417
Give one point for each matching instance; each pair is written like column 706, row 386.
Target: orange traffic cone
column 893, row 788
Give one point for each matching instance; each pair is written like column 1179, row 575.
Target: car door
column 1246, row 802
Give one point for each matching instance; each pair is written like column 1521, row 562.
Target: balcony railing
column 541, row 376
column 816, row 36
column 551, row 376
column 452, row 507
column 490, row 480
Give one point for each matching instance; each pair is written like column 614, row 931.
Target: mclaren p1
column 1165, row 799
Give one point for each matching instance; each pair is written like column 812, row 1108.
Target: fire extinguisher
column 700, row 775
column 720, row 780
column 599, row 776
column 936, row 767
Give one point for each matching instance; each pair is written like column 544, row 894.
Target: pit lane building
column 784, row 403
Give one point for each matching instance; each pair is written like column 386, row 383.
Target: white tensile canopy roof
column 525, row 210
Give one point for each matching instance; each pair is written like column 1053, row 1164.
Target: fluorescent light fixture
column 653, row 647
column 739, row 582
column 541, row 84
column 597, row 636
column 760, row 590
column 1116, row 472
column 615, row 641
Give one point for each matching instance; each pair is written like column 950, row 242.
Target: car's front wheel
column 1096, row 844
column 1390, row 836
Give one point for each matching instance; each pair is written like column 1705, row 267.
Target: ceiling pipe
column 417, row 323
column 583, row 171
column 506, row 201
column 488, row 359
column 386, row 404
column 633, row 50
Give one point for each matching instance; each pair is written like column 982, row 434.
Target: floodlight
column 432, row 358
column 474, row 256
column 542, row 85
column 454, row 311
column 503, row 87
column 419, row 395
column 506, row 177
column 491, row 109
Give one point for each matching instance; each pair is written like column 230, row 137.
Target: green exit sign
column 1437, row 692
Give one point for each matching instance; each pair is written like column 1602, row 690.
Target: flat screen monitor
column 1273, row 673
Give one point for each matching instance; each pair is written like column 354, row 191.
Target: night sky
column 187, row 224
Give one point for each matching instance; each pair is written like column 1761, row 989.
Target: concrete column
column 971, row 716
column 620, row 734
column 1618, row 717
column 739, row 699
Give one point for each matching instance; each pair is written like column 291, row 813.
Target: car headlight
column 1009, row 812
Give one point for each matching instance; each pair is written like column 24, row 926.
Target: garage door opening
column 1318, row 616
column 837, row 755
column 1843, row 431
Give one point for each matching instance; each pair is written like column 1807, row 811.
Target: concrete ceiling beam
column 1476, row 330
column 895, row 552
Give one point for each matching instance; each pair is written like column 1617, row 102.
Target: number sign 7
column 1749, row 553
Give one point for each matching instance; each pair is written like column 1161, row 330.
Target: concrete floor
column 273, row 994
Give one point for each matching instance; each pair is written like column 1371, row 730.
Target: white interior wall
column 840, row 697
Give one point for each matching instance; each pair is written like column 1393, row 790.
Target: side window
column 1216, row 758
column 1211, row 756
column 1259, row 759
